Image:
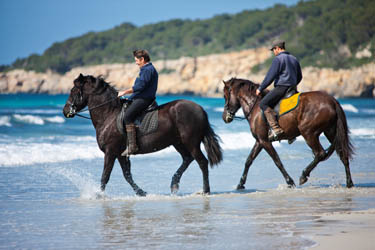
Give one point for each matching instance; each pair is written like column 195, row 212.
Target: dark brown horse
column 316, row 113
column 182, row 124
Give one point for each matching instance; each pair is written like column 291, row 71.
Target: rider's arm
column 125, row 92
column 271, row 74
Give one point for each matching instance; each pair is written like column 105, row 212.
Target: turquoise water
column 50, row 170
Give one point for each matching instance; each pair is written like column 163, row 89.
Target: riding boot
column 276, row 133
column 132, row 147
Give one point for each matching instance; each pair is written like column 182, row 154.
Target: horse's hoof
column 350, row 185
column 302, row 180
column 240, row 187
column 142, row 193
column 174, row 188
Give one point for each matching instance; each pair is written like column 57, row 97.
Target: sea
column 50, row 170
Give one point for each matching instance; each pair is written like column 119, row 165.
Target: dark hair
column 139, row 53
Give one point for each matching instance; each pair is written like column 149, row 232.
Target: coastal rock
column 199, row 76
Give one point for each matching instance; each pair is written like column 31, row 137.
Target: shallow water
column 50, row 170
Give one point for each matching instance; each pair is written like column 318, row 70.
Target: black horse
column 182, row 124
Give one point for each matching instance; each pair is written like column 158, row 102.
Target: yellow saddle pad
column 288, row 104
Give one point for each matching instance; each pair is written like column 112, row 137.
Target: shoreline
column 344, row 230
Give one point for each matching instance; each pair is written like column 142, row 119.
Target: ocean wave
column 5, row 121
column 33, row 111
column 349, row 107
column 29, row 119
column 28, row 151
column 363, row 132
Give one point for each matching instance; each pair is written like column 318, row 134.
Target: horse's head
column 78, row 97
column 232, row 103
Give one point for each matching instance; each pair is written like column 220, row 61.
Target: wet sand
column 345, row 230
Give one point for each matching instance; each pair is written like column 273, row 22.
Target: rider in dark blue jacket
column 142, row 93
column 286, row 72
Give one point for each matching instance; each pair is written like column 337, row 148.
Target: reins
column 87, row 109
column 252, row 107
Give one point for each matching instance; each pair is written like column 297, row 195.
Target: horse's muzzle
column 70, row 113
column 228, row 117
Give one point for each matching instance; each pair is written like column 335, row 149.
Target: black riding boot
column 132, row 147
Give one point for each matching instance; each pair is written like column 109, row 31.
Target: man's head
column 277, row 47
column 141, row 57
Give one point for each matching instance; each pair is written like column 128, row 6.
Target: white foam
column 27, row 152
column 349, row 107
column 88, row 188
column 30, row 119
column 37, row 120
column 5, row 121
column 363, row 132
column 55, row 119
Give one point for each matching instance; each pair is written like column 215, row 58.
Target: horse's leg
column 186, row 160
column 125, row 166
column 275, row 157
column 319, row 155
column 253, row 154
column 306, row 172
column 203, row 164
column 331, row 134
column 109, row 160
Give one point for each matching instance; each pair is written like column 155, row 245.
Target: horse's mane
column 104, row 88
column 243, row 83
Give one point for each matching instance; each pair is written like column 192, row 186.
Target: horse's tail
column 212, row 145
column 343, row 145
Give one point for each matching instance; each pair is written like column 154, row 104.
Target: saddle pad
column 146, row 123
column 288, row 104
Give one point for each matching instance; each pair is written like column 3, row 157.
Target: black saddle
column 146, row 122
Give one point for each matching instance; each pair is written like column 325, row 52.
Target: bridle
column 72, row 108
column 231, row 113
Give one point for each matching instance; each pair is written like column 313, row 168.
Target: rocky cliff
column 200, row 76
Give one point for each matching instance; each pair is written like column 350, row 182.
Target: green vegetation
column 323, row 33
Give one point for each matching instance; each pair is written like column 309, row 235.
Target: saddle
column 288, row 102
column 146, row 122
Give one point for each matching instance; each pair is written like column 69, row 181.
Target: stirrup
column 127, row 153
column 272, row 136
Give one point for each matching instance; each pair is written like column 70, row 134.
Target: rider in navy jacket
column 146, row 84
column 142, row 93
column 285, row 71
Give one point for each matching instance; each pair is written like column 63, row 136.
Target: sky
column 31, row 26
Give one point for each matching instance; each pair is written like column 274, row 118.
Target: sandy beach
column 345, row 230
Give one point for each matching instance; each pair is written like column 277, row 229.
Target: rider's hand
column 120, row 93
column 257, row 92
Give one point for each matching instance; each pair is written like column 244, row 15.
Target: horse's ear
column 78, row 82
